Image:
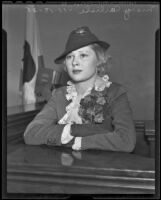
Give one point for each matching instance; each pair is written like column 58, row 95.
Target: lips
column 76, row 71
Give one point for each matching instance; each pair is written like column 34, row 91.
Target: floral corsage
column 92, row 106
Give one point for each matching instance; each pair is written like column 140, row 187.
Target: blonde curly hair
column 103, row 57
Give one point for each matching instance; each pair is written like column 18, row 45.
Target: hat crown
column 78, row 38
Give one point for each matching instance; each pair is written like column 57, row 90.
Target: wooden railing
column 18, row 119
column 145, row 143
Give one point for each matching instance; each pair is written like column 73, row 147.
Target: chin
column 80, row 78
column 77, row 79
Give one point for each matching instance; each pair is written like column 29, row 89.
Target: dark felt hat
column 79, row 38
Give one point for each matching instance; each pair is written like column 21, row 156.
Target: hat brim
column 61, row 58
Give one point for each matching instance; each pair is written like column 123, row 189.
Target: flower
column 98, row 118
column 101, row 100
column 105, row 78
column 90, row 111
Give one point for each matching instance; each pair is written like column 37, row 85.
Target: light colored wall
column 131, row 35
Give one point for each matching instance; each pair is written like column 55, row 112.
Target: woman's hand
column 77, row 143
column 66, row 134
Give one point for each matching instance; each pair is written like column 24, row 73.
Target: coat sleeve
column 122, row 138
column 43, row 129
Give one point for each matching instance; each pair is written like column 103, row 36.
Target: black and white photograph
column 81, row 96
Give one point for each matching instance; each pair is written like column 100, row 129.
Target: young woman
column 90, row 112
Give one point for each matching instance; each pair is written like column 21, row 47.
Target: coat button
column 51, row 141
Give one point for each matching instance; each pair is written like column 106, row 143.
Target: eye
column 83, row 55
column 68, row 57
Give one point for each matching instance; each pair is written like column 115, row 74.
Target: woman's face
column 81, row 64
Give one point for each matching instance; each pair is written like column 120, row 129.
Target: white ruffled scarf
column 72, row 109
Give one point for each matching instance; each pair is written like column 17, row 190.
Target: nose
column 75, row 61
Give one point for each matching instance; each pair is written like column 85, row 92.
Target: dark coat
column 116, row 133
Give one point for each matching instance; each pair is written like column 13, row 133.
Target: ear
column 98, row 63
